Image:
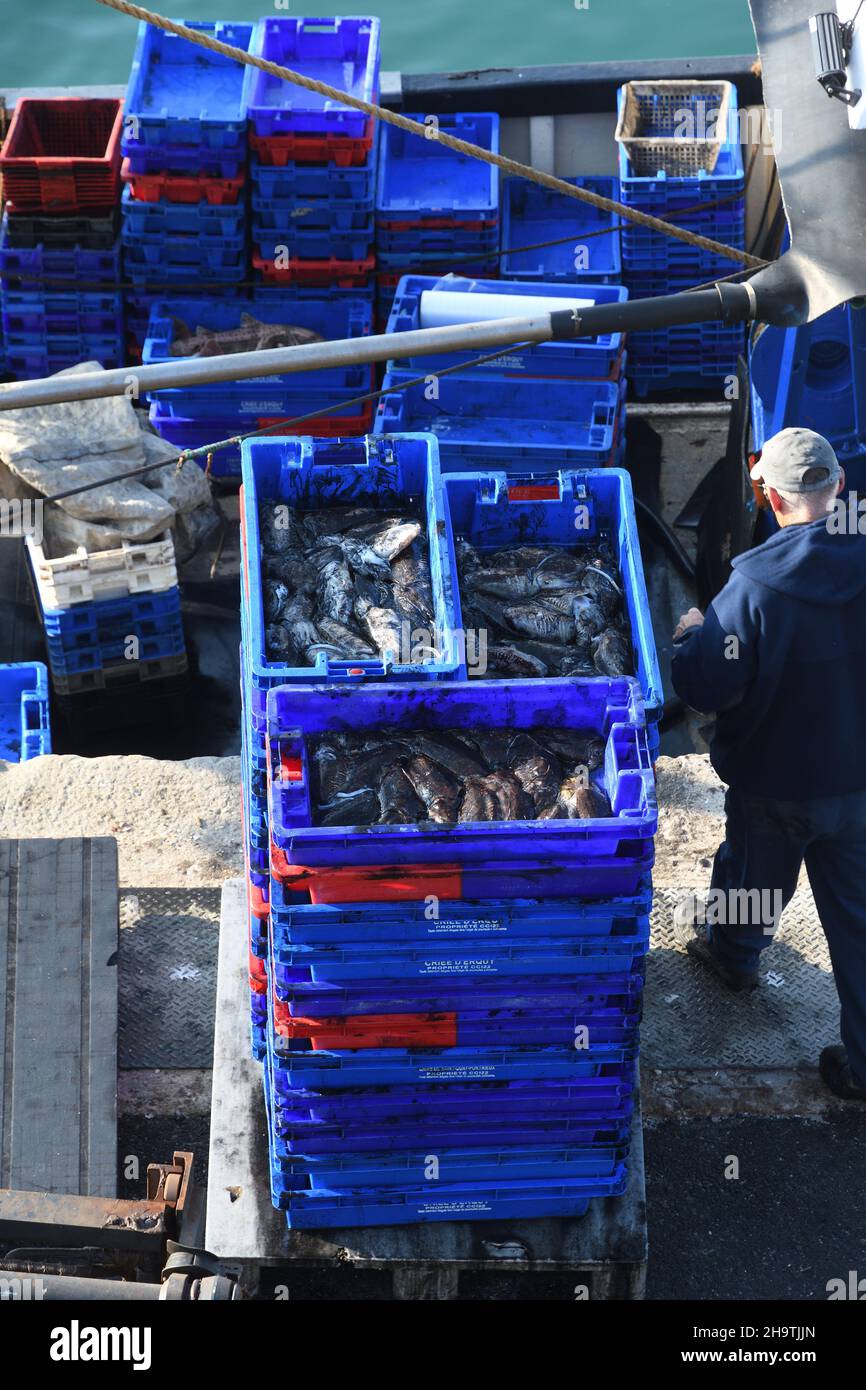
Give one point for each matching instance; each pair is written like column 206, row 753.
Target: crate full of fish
column 182, row 94
column 475, row 772
column 25, row 729
column 423, row 301
column 348, row 563
column 551, row 575
column 519, row 422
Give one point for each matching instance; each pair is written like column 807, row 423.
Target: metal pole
column 732, row 302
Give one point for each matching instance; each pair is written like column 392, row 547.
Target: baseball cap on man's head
column 797, row 460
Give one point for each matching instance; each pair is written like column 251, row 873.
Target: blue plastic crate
column 181, row 94
column 584, row 357
column 528, row 995
column 502, row 423
column 813, row 377
column 610, row 709
column 187, row 219
column 158, row 252
column 490, row 1028
column 300, row 183
column 199, row 161
column 532, row 214
column 315, row 965
column 150, row 648
column 343, row 52
column 485, row 513
column 416, row 264
column 277, row 216
column 28, row 361
column 188, row 277
column 372, row 1169
column 355, row 924
column 73, row 261
column 421, row 178
column 313, row 1138
column 113, row 617
column 314, row 243
column 590, row 1097
column 295, row 1064
column 40, row 329
column 345, row 317
column 318, row 472
column 442, row 242
column 25, row 728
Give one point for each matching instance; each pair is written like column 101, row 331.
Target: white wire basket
column 676, row 128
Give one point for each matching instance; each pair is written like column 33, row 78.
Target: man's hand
column 694, row 618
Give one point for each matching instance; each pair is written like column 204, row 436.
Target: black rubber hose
column 665, row 536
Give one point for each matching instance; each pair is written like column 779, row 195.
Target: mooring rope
column 510, row 166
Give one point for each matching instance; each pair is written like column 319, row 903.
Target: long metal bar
column 72, row 1288
column 731, row 302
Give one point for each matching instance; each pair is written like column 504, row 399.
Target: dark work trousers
column 765, row 846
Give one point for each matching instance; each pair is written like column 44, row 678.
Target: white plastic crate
column 134, row 567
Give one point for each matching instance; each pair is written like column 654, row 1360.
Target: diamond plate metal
column 692, row 1021
column 169, row 942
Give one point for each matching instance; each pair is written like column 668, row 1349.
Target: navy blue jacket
column 781, row 658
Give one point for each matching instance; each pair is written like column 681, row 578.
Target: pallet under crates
column 601, row 1255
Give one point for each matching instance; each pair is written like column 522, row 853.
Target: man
column 781, row 659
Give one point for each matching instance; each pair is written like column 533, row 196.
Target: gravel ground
column 177, row 824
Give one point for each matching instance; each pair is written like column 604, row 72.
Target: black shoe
column 701, row 950
column 836, row 1073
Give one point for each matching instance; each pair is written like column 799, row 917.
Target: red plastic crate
column 407, row 883
column 182, row 188
column 62, row 154
column 326, row 426
column 260, row 907
column 258, row 975
column 275, row 151
column 368, row 1030
column 343, row 274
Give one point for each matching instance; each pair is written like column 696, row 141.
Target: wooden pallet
column 599, row 1256
column 58, row 1016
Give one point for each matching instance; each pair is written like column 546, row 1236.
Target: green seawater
column 74, row 42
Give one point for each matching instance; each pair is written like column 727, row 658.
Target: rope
column 510, row 166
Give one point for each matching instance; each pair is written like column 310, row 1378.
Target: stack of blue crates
column 89, row 642
column 184, row 119
column 436, row 210
column 313, row 161
column 61, row 302
column 688, row 356
column 192, row 416
column 477, row 1059
column 533, row 215
column 534, row 409
column 25, row 725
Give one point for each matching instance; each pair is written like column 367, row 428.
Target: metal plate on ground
column 58, row 1016
column 169, row 939
column 606, row 1249
column 691, row 1020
